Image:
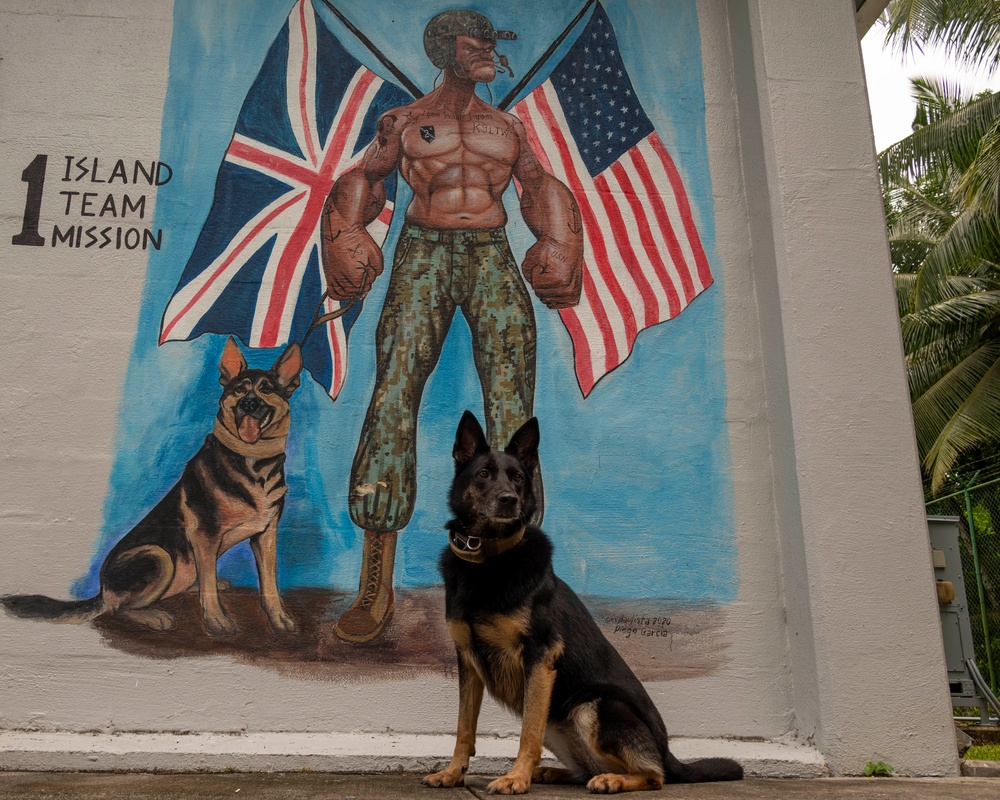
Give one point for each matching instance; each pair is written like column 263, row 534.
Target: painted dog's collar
column 477, row 550
column 263, row 448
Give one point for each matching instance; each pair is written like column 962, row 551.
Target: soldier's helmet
column 440, row 33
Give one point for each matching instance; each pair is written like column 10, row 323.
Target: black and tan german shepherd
column 231, row 490
column 525, row 636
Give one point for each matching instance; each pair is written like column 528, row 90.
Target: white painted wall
column 862, row 624
column 834, row 638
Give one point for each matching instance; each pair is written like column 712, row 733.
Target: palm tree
column 945, row 246
column 968, row 30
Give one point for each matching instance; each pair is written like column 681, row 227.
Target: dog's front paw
column 152, row 618
column 160, row 620
column 608, row 783
column 551, row 775
column 509, row 784
column 219, row 624
column 281, row 621
column 445, row 779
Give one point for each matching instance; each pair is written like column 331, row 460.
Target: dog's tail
column 37, row 606
column 700, row 771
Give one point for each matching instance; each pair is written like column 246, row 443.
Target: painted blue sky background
column 637, row 476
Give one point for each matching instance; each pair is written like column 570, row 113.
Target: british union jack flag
column 255, row 270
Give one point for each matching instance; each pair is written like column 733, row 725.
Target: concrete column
column 864, row 641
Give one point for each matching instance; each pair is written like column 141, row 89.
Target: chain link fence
column 978, row 510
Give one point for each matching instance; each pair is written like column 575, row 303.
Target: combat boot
column 372, row 608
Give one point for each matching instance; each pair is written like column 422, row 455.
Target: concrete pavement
column 317, row 786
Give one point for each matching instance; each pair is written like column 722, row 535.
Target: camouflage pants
column 433, row 274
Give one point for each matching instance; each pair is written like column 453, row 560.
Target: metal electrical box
column 956, row 629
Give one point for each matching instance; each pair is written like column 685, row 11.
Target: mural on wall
column 540, row 169
column 231, row 491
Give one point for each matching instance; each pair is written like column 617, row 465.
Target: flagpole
column 396, row 71
column 503, row 104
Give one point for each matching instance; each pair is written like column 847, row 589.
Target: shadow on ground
column 660, row 641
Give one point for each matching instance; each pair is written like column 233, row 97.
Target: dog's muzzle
column 252, row 416
column 253, row 405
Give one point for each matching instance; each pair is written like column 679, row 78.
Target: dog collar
column 477, row 550
column 262, row 448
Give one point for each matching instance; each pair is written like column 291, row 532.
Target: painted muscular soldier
column 458, row 154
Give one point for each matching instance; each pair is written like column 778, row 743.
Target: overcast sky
column 888, row 77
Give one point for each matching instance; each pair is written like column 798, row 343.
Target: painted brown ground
column 691, row 644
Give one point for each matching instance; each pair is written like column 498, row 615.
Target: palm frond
column 968, row 30
column 937, row 97
column 935, row 408
column 975, row 423
column 959, row 250
column 929, row 364
column 970, row 310
column 914, row 208
column 980, row 183
column 907, row 255
column 951, row 139
column 904, row 283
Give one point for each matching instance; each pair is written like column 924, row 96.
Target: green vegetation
column 983, row 752
column 877, row 769
column 941, row 188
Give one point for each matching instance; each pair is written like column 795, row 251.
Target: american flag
column 644, row 261
column 255, row 269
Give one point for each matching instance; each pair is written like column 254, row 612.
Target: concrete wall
column 833, row 370
column 830, row 646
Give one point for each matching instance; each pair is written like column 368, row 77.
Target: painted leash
column 321, row 319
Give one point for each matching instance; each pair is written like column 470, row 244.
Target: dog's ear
column 232, row 362
column 524, row 444
column 288, row 366
column 469, row 441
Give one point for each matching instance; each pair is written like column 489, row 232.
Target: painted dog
column 233, row 489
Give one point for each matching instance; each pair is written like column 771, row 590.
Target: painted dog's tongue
column 249, row 429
